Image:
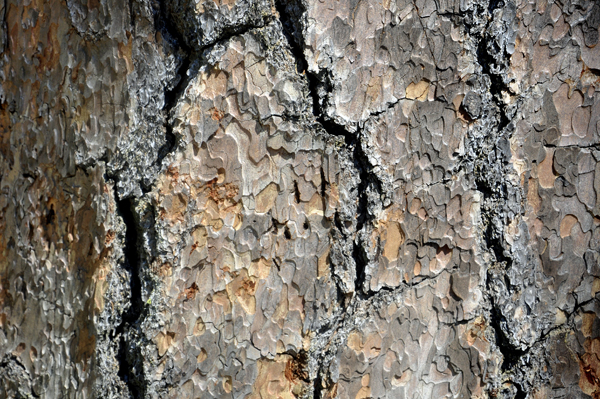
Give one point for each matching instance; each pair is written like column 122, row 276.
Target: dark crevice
column 388, row 106
column 132, row 15
column 318, row 385
column 595, row 146
column 3, row 28
column 488, row 52
column 290, row 15
column 497, row 86
column 494, row 4
column 369, row 182
column 50, row 215
column 274, row 225
column 319, row 86
column 510, row 354
column 451, row 15
column 520, row 394
column 182, row 79
column 128, row 355
column 361, row 261
column 129, row 360
column 594, row 71
column 228, row 33
column 464, row 322
column 187, row 68
column 490, row 168
column 296, row 192
column 341, row 297
column 495, row 193
column 323, row 184
column 132, row 259
column 465, row 114
column 366, row 295
column 195, row 42
column 173, row 91
column 277, row 264
column 569, row 315
column 172, row 34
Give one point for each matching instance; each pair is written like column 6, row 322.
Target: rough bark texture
column 302, row 198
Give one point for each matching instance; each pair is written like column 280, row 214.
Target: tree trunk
column 301, row 198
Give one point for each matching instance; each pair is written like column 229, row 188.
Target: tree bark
column 301, row 198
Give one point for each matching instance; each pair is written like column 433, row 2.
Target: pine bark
column 299, row 198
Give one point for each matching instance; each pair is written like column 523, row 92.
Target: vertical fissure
column 128, row 355
column 318, row 385
column 132, row 258
column 491, row 164
column 487, row 47
column 175, row 89
column 510, row 354
column 132, row 14
column 290, row 14
column 319, row 86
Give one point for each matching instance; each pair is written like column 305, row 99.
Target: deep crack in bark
column 128, row 355
column 172, row 94
column 511, row 355
column 319, row 87
column 495, row 192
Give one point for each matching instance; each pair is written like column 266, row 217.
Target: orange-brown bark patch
column 276, row 379
column 589, row 365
